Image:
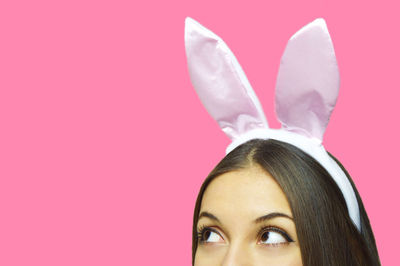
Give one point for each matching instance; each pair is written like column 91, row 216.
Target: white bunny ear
column 220, row 82
column 308, row 81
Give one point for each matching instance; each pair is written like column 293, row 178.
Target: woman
column 278, row 197
column 310, row 226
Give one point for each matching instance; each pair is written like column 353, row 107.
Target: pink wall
column 104, row 143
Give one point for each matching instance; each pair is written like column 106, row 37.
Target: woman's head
column 306, row 221
column 252, row 220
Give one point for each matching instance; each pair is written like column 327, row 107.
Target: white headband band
column 306, row 91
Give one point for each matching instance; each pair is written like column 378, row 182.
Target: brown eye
column 265, row 236
column 270, row 237
column 209, row 235
column 274, row 236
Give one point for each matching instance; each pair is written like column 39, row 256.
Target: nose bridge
column 238, row 254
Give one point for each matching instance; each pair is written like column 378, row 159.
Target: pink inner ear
column 220, row 82
column 308, row 81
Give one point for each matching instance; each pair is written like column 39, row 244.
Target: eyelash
column 261, row 231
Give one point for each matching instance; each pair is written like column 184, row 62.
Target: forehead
column 247, row 193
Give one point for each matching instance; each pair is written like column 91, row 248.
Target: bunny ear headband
column 306, row 91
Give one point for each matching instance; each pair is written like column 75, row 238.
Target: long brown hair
column 326, row 234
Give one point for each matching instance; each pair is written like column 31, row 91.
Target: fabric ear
column 308, row 81
column 220, row 82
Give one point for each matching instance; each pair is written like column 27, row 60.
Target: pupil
column 207, row 234
column 265, row 236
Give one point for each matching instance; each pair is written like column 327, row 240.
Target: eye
column 274, row 236
column 209, row 235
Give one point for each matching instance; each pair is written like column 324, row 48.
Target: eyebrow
column 271, row 216
column 209, row 215
column 258, row 220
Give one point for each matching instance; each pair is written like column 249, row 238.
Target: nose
column 237, row 255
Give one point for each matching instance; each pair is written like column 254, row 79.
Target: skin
column 237, row 199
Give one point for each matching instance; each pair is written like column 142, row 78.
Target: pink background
column 104, row 143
